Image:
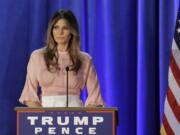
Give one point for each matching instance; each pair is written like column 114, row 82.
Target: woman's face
column 61, row 32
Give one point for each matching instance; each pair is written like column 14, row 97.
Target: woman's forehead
column 62, row 21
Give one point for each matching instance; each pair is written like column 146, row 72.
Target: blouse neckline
column 62, row 52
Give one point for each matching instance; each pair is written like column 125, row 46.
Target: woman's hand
column 33, row 104
column 90, row 105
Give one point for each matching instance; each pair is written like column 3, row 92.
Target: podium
column 66, row 121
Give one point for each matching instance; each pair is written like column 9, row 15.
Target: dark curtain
column 129, row 42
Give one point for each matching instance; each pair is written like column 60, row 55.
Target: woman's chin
column 61, row 42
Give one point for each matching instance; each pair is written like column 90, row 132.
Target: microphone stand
column 67, row 69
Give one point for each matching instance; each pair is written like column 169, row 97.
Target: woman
column 47, row 68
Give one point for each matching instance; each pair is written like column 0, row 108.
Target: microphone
column 67, row 69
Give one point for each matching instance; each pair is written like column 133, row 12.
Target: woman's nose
column 61, row 32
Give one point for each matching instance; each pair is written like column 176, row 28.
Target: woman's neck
column 62, row 47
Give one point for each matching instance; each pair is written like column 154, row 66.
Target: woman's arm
column 93, row 87
column 29, row 94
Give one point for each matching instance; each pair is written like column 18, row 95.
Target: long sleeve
column 93, row 87
column 29, row 92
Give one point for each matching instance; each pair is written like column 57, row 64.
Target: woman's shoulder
column 38, row 52
column 85, row 55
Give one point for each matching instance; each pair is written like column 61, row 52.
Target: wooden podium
column 66, row 121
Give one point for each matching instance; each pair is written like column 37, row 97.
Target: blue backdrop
column 129, row 40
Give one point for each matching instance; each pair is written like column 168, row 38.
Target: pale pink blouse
column 53, row 84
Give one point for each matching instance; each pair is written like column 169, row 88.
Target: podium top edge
column 66, row 108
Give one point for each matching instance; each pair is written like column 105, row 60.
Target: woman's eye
column 55, row 27
column 65, row 28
